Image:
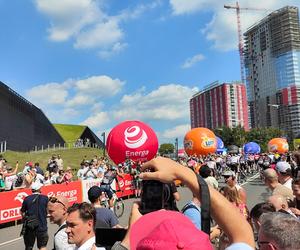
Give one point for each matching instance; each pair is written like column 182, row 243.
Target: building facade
column 272, row 61
column 23, row 126
column 220, row 105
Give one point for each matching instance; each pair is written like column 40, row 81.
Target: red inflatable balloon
column 131, row 140
column 278, row 145
column 200, row 141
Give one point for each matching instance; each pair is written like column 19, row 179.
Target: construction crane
column 240, row 36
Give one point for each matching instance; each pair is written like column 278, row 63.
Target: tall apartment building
column 220, row 105
column 272, row 60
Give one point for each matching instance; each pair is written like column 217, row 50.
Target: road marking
column 250, row 179
column 10, row 241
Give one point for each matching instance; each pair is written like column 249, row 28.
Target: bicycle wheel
column 119, row 208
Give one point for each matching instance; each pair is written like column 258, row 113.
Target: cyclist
column 109, row 176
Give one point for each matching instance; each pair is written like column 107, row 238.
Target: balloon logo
column 200, row 141
column 278, row 145
column 131, row 140
column 220, row 143
column 135, row 137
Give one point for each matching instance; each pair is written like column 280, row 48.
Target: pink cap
column 163, row 230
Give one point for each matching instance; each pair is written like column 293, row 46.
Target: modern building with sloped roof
column 78, row 135
column 23, row 126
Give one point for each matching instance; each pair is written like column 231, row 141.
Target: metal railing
column 65, row 146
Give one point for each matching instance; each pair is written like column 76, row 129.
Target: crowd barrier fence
column 76, row 191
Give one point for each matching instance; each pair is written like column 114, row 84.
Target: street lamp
column 103, row 139
column 176, row 148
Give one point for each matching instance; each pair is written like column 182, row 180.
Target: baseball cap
column 228, row 173
column 282, row 166
column 164, row 229
column 36, row 185
column 94, row 193
column 30, row 164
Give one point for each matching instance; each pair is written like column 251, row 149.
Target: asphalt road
column 10, row 240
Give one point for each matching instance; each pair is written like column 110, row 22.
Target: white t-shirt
column 9, row 181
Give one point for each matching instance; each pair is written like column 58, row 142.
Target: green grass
column 71, row 157
column 70, row 133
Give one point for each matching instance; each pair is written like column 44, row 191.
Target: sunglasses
column 53, row 199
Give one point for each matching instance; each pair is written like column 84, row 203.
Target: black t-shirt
column 39, row 206
column 297, row 203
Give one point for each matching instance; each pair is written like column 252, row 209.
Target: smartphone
column 106, row 237
column 152, row 198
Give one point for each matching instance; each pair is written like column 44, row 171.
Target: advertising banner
column 86, row 185
column 125, row 185
column 11, row 202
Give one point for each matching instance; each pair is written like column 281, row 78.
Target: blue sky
column 100, row 62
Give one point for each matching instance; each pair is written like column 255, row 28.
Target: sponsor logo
column 188, row 144
column 273, row 147
column 11, row 213
column 135, row 137
column 21, row 196
column 121, row 183
column 207, row 142
column 69, row 194
column 136, row 153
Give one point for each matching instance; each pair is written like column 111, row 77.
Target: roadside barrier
column 75, row 191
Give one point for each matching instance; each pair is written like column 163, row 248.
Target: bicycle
column 118, row 203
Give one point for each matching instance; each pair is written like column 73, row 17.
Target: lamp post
column 176, row 148
column 103, row 139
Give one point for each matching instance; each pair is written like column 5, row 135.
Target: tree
column 166, row 148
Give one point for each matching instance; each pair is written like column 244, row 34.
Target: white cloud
column 80, row 100
column 167, row 103
column 192, row 61
column 116, row 48
column 50, row 93
column 86, row 22
column 97, row 120
column 222, row 28
column 68, row 17
column 177, row 131
column 102, row 35
column 74, row 98
column 99, row 86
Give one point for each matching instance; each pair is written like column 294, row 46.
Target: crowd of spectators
column 272, row 224
column 55, row 173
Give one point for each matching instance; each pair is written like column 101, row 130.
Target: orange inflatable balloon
column 278, row 145
column 200, row 141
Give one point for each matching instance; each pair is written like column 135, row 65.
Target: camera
column 155, row 196
column 106, row 237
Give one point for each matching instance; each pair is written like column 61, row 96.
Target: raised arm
column 230, row 220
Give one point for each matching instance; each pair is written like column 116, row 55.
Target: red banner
column 125, row 185
column 11, row 202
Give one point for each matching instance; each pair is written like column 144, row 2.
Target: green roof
column 69, row 133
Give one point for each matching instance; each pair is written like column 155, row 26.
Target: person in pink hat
column 166, row 230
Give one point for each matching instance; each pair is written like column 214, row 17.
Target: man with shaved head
column 280, row 204
column 271, row 181
column 57, row 210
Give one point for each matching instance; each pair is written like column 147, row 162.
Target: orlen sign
column 131, row 140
